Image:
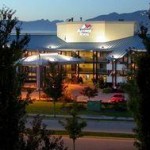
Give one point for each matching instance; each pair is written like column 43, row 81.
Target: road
column 92, row 143
column 93, row 125
column 97, row 143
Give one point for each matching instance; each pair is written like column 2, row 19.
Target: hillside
column 50, row 26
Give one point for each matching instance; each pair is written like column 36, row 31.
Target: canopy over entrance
column 46, row 58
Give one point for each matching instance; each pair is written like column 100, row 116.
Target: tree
column 143, row 83
column 12, row 108
column 54, row 86
column 89, row 92
column 39, row 138
column 101, row 82
column 139, row 89
column 143, row 119
column 74, row 125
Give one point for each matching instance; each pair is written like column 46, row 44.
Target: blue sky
column 62, row 9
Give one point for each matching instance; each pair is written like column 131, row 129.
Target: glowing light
column 53, row 46
column 116, row 56
column 51, row 59
column 101, row 38
column 103, row 47
column 69, row 39
column 31, row 58
column 66, row 58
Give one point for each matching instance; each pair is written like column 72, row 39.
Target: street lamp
column 114, row 68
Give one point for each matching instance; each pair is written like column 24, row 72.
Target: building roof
column 46, row 58
column 52, row 43
column 123, row 46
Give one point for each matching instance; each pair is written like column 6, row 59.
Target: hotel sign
column 85, row 30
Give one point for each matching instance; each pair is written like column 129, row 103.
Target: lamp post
column 114, row 76
column 38, row 78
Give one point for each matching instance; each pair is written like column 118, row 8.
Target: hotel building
column 105, row 47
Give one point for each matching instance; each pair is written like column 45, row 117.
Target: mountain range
column 42, row 25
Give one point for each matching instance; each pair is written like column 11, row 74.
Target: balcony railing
column 99, row 59
column 119, row 79
column 119, row 67
column 102, row 59
column 102, row 71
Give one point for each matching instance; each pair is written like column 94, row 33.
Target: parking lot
column 74, row 90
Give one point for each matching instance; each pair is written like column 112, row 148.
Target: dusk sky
column 28, row 10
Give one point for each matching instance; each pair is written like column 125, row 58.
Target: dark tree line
column 13, row 134
column 12, row 109
column 139, row 95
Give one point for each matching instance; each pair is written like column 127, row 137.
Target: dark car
column 117, row 98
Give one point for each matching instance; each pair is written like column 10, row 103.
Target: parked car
column 116, row 98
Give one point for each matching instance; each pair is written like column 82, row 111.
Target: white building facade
column 105, row 47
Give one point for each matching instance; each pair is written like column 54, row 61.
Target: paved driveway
column 75, row 91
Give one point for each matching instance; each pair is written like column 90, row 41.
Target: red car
column 116, row 98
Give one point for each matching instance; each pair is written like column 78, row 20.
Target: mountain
column 39, row 26
column 50, row 26
column 140, row 17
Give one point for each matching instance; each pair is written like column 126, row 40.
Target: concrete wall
column 119, row 30
column 99, row 31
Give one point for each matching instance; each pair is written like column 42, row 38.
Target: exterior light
column 103, row 47
column 51, row 59
column 116, row 56
column 53, row 46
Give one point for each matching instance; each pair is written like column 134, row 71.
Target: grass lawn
column 43, row 107
column 98, row 134
column 40, row 107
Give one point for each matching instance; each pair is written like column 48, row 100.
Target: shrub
column 107, row 90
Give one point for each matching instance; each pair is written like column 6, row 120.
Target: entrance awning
column 46, row 58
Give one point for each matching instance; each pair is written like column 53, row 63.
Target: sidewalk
column 93, row 124
column 88, row 117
